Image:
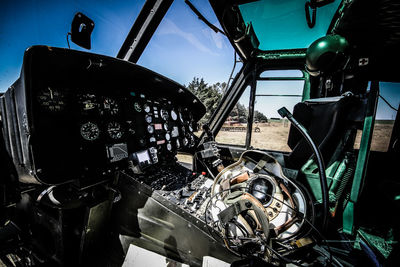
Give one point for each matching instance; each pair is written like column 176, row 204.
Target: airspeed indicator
column 90, row 131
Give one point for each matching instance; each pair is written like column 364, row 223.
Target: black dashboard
column 79, row 116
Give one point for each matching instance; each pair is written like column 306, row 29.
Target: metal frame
column 362, row 160
column 143, row 29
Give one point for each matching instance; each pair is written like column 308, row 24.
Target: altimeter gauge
column 90, row 131
column 114, row 130
column 109, row 106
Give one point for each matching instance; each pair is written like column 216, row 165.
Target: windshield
column 27, row 23
column 283, row 24
column 182, row 48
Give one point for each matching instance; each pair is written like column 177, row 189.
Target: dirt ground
column 273, row 136
column 380, row 138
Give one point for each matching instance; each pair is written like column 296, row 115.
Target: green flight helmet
column 327, row 55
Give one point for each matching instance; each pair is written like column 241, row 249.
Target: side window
column 275, row 89
column 233, row 131
column 388, row 103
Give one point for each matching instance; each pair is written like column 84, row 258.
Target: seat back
column 327, row 120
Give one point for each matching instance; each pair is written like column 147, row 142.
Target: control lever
column 209, row 134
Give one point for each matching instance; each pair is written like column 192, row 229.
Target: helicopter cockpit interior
column 89, row 149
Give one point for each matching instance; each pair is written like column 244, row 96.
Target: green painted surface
column 310, row 170
column 362, row 160
column 380, row 244
column 306, row 90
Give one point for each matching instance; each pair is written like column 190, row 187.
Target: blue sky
column 182, row 47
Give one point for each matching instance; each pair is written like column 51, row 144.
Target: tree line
column 210, row 96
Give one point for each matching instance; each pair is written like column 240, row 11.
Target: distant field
column 381, row 136
column 273, row 136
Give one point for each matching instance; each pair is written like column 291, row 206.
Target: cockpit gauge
column 146, row 108
column 190, row 128
column 181, row 117
column 166, row 126
column 185, row 141
column 178, row 143
column 149, row 119
column 51, row 99
column 137, row 107
column 167, row 136
column 169, row 146
column 152, row 139
column 150, row 129
column 90, row 131
column 114, row 130
column 175, row 131
column 164, row 114
column 109, row 106
column 174, row 116
column 88, row 102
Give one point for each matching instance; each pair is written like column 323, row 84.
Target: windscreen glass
column 27, row 23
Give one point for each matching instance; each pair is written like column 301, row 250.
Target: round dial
column 90, row 131
column 152, row 139
column 164, row 114
column 150, row 129
column 185, row 141
column 146, row 108
column 167, row 136
column 114, row 130
column 148, row 119
column 51, row 99
column 174, row 116
column 166, row 126
column 137, row 107
column 109, row 106
column 169, row 147
column 88, row 102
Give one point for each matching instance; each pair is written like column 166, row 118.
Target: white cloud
column 218, row 39
column 169, row 27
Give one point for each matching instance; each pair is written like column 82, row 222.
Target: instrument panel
column 128, row 119
column 85, row 115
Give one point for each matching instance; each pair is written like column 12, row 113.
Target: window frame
column 253, row 94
